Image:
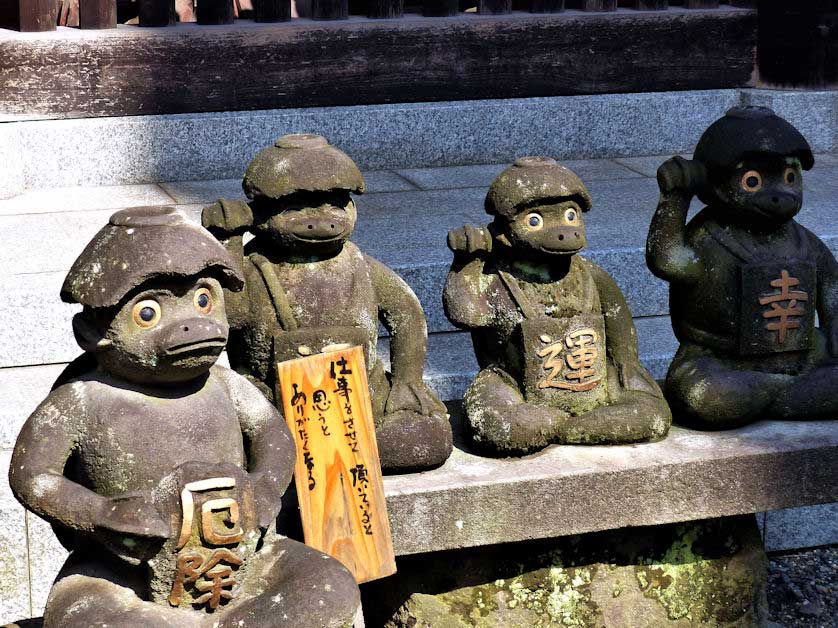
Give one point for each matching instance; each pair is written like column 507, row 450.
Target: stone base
column 707, row 573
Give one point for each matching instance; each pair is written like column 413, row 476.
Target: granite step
column 149, row 148
column 402, row 225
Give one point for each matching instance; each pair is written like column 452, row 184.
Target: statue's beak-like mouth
column 217, row 343
column 321, row 240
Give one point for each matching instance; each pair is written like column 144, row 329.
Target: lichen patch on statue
column 747, row 282
column 308, row 288
column 161, row 471
column 552, row 332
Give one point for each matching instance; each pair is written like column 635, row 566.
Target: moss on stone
column 692, row 586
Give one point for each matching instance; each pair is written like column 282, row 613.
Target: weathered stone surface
column 569, row 489
column 11, row 174
column 708, row 573
column 46, row 557
column 14, row 566
column 23, row 389
column 794, row 528
column 75, row 199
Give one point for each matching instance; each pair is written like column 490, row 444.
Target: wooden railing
column 45, row 15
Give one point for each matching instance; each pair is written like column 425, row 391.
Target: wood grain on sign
column 326, row 403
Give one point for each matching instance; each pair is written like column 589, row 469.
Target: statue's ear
column 88, row 335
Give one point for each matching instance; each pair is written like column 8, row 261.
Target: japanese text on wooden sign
column 326, row 403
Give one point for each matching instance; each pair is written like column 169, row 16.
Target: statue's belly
column 135, row 440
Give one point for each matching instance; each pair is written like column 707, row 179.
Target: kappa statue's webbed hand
column 682, row 176
column 227, row 218
column 133, row 514
column 469, row 240
column 131, row 526
column 415, row 396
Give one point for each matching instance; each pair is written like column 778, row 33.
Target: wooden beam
column 440, row 8
column 798, row 43
column 272, row 10
column 97, row 14
column 156, row 12
column 494, row 7
column 650, row 5
column 329, row 9
column 546, row 6
column 29, row 16
column 379, row 9
column 130, row 71
column 215, row 12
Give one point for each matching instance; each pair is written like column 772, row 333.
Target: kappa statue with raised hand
column 308, row 289
column 746, row 280
column 552, row 332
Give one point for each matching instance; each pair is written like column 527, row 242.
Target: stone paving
column 403, row 220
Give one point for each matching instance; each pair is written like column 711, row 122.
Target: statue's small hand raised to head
column 683, row 175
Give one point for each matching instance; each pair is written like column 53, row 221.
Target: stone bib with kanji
column 564, row 363
column 207, row 562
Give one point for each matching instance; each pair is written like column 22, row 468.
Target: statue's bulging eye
column 146, row 313
column 535, row 221
column 752, row 181
column 790, row 176
column 203, row 300
column 570, row 215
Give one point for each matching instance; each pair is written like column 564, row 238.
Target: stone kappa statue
column 746, row 280
column 308, row 288
column 553, row 334
column 161, row 471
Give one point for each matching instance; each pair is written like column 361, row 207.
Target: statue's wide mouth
column 200, row 345
column 316, row 240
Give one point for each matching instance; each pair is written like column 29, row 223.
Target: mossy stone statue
column 746, row 280
column 308, row 288
column 161, row 471
column 552, row 331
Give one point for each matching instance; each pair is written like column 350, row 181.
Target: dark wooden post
column 798, row 43
column 546, row 6
column 385, row 8
column 156, row 12
column 29, row 16
column 329, row 9
column 701, row 4
column 494, row 7
column 212, row 12
column 650, row 5
column 272, row 10
column 94, row 14
column 599, row 5
column 440, row 8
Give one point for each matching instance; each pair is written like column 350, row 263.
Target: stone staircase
column 403, row 221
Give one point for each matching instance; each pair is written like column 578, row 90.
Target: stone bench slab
column 563, row 490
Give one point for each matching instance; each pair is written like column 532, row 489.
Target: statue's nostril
column 332, row 226
column 576, row 233
column 185, row 329
column 561, row 236
column 311, row 226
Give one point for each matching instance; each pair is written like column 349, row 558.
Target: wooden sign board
column 326, row 403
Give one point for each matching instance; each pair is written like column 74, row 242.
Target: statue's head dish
column 300, row 194
column 754, row 161
column 151, row 285
column 537, row 205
